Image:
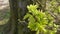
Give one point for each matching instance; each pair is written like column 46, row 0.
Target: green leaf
column 26, row 16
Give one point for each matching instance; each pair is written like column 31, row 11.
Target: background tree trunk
column 22, row 26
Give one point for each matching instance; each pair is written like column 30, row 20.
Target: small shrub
column 39, row 21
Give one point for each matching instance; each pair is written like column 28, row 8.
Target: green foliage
column 39, row 21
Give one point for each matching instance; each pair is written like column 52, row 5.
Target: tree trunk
column 13, row 27
column 14, row 16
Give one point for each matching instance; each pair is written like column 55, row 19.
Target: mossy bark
column 14, row 16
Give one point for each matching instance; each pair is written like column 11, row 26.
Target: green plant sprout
column 39, row 21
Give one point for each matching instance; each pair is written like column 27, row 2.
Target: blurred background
column 4, row 13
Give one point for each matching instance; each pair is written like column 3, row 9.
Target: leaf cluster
column 39, row 21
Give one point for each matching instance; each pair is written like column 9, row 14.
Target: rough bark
column 14, row 15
